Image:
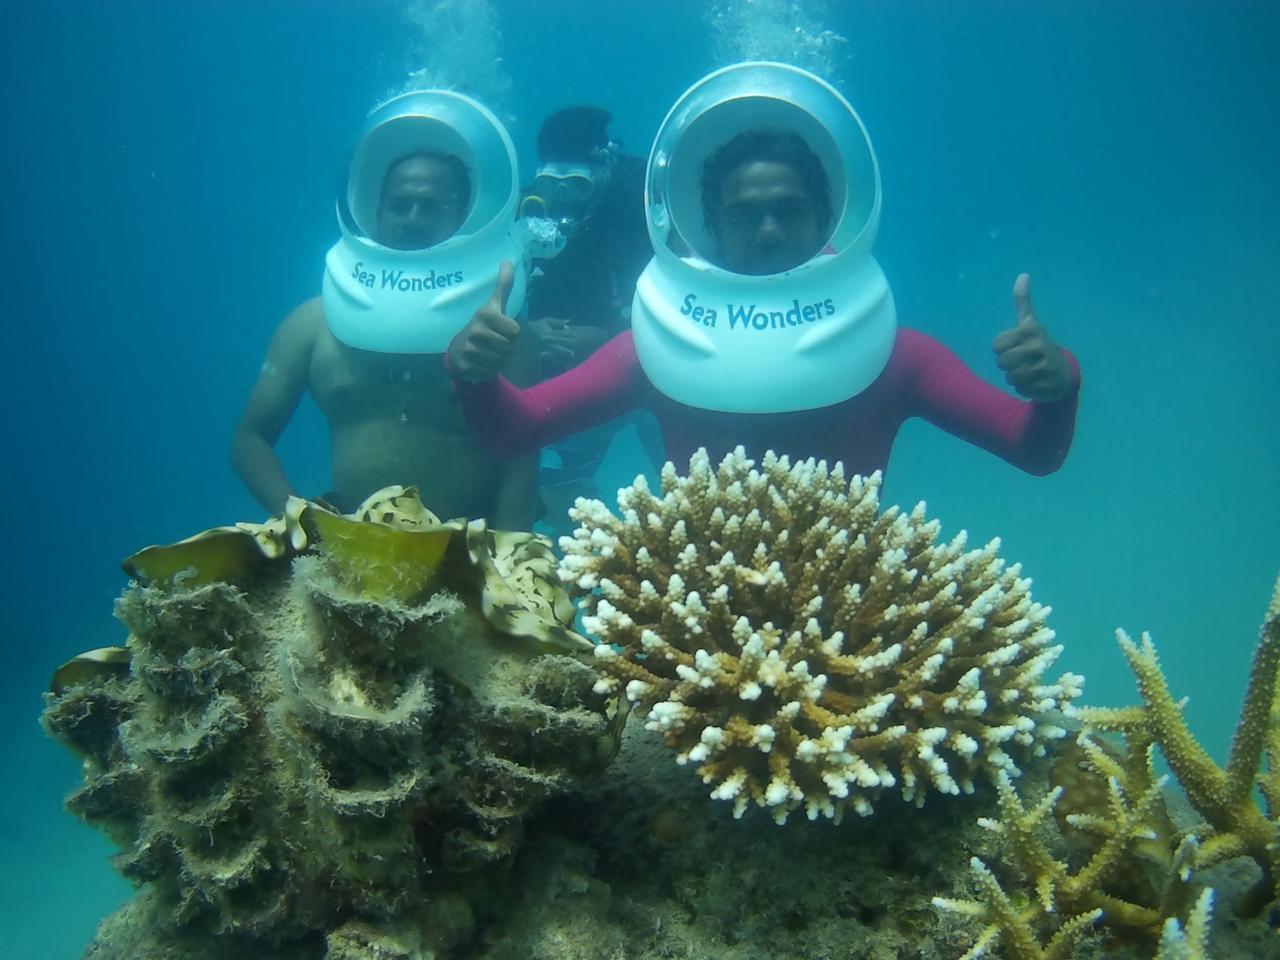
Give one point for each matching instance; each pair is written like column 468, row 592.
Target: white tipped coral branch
column 1012, row 928
column 1191, row 943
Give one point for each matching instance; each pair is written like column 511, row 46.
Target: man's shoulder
column 301, row 327
column 913, row 347
column 312, row 311
column 307, row 317
column 912, row 353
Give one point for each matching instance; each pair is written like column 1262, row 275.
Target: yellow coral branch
column 1255, row 715
column 1224, row 798
column 1011, row 927
column 1200, row 777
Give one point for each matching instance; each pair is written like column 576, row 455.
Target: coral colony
column 805, row 650
column 380, row 735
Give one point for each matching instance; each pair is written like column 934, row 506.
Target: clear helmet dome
column 410, row 291
column 762, row 195
column 742, row 99
column 439, row 123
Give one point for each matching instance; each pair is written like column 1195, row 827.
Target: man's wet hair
column 574, row 135
column 454, row 163
column 772, row 145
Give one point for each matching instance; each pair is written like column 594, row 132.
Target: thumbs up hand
column 481, row 349
column 1033, row 364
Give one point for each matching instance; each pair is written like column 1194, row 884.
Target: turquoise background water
column 171, row 171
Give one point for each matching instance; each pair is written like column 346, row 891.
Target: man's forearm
column 517, row 494
column 590, row 339
column 255, row 461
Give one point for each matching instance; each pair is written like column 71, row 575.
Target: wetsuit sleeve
column 508, row 421
column 1034, row 437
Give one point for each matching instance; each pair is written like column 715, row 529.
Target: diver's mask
column 380, row 297
column 567, row 189
column 565, row 193
column 814, row 334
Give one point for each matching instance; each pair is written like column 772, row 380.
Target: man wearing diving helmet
column 365, row 351
column 729, row 345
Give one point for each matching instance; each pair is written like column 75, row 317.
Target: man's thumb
column 1022, row 299
column 502, row 290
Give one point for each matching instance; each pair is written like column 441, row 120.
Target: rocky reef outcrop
column 299, row 752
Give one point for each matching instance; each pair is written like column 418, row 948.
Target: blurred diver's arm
column 281, row 383
column 517, row 499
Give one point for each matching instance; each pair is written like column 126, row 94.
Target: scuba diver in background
column 581, row 298
column 763, row 320
column 425, row 221
column 594, row 193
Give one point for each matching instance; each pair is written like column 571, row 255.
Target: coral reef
column 333, row 743
column 805, row 650
column 318, row 756
column 654, row 868
column 1006, row 923
column 1234, row 825
column 639, row 864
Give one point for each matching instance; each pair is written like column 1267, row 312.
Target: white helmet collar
column 809, row 337
column 414, row 301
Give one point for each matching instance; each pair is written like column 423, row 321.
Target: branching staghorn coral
column 1009, row 924
column 1235, row 826
column 805, row 650
column 1068, row 901
column 1133, row 833
column 1192, row 941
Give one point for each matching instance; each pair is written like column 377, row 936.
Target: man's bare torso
column 394, row 418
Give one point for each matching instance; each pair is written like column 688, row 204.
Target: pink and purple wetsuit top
column 922, row 379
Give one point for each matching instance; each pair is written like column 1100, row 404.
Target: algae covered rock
column 307, row 740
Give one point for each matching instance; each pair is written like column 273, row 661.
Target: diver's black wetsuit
column 591, row 282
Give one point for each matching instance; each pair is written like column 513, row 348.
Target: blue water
column 171, row 170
